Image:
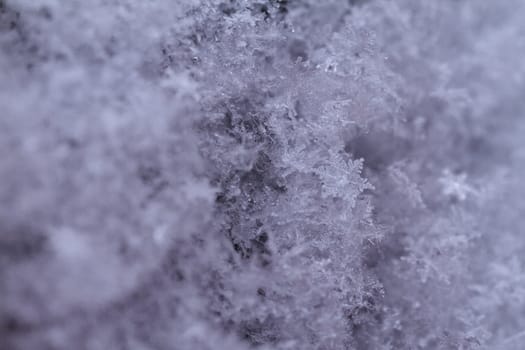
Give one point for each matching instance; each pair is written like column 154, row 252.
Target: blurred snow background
column 279, row 174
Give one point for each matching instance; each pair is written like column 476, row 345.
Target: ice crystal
column 272, row 174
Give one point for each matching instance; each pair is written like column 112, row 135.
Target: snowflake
column 455, row 185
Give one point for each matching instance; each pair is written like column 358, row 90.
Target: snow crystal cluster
column 262, row 174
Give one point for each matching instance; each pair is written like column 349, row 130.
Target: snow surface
column 271, row 174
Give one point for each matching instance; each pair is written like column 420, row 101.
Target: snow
column 210, row 174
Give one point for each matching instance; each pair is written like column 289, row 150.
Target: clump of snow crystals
column 272, row 174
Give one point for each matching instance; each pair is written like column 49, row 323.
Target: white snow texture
column 262, row 174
